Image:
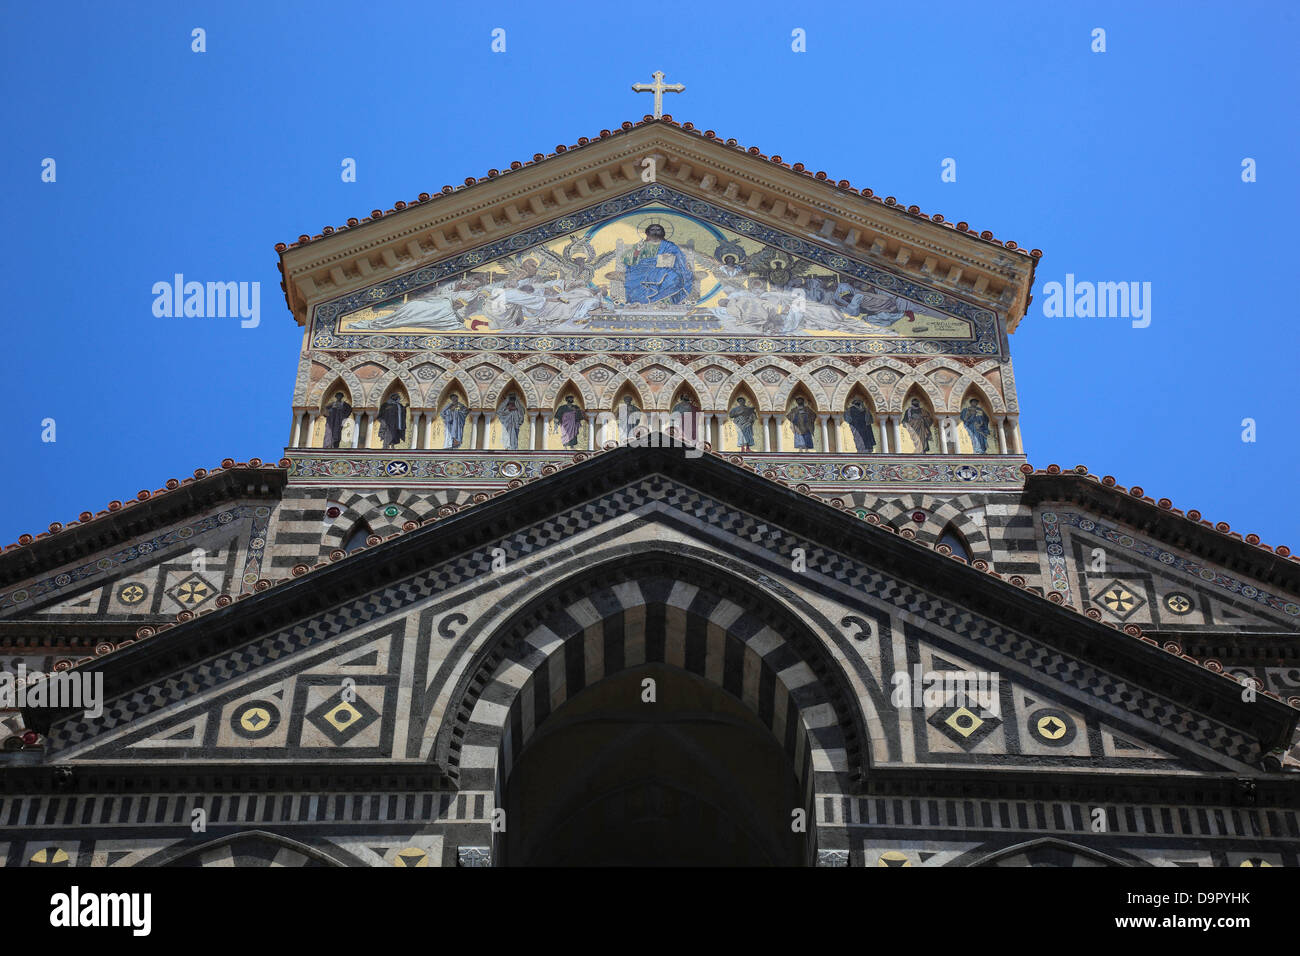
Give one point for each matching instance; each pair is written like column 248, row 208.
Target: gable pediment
column 602, row 272
column 251, row 676
column 420, row 234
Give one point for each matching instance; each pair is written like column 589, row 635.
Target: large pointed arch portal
column 658, row 710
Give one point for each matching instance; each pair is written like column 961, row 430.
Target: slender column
column 1013, row 435
column 1001, row 424
column 591, row 431
column 537, row 432
column 821, row 421
column 895, row 433
column 356, row 429
column 428, row 430
column 953, row 443
column 837, row 433
column 780, row 435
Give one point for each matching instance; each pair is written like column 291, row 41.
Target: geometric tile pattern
column 721, row 521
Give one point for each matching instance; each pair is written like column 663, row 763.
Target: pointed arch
column 808, row 436
column 976, row 434
column 453, row 392
column 915, row 438
column 869, row 440
column 579, row 439
column 520, row 436
column 584, row 394
column 325, row 397
column 374, row 438
column 732, row 433
column 982, row 389
column 909, row 382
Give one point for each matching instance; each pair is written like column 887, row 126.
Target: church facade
column 654, row 501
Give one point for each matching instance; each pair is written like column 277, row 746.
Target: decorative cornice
column 790, row 198
column 1216, row 543
column 123, row 520
column 486, row 518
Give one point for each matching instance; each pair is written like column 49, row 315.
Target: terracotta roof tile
column 647, row 120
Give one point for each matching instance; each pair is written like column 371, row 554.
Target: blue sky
column 1121, row 166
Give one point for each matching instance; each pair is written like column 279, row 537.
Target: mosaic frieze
column 654, row 271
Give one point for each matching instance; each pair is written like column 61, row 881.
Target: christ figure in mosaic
column 743, row 416
column 568, row 419
column 453, row 418
column 977, row 426
column 802, row 419
column 858, row 419
column 510, row 414
column 919, row 422
column 657, row 270
column 392, row 421
column 336, row 413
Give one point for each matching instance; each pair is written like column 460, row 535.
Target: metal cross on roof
column 658, row 88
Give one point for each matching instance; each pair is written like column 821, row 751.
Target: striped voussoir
column 550, row 655
column 369, row 508
column 939, row 514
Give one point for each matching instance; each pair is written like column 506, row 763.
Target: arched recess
column 499, row 436
column 977, row 429
column 870, row 441
column 246, row 848
column 731, row 432
column 918, row 425
column 557, row 438
column 956, row 542
column 807, row 437
column 356, row 537
column 622, row 425
column 685, row 412
column 670, row 609
column 1048, row 851
column 326, row 398
column 374, row 439
column 453, row 392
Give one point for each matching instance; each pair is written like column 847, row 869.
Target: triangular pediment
column 655, row 261
column 513, row 205
column 366, row 659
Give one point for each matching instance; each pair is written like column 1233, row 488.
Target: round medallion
column 511, row 469
column 392, row 511
column 1176, row 602
column 132, row 593
column 255, row 719
column 1052, row 726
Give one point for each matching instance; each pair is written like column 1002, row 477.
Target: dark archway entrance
column 692, row 779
